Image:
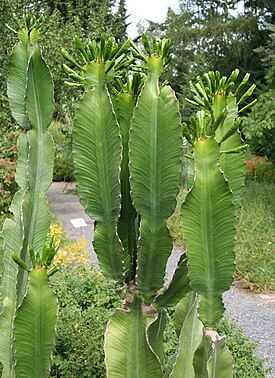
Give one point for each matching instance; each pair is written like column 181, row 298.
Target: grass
column 255, row 253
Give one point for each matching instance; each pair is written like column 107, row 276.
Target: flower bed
column 260, row 169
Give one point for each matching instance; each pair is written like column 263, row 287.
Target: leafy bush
column 8, row 145
column 260, row 169
column 86, row 301
column 63, row 161
column 246, row 365
column 8, row 158
column 8, row 174
column 73, row 253
column 259, row 128
column 5, row 202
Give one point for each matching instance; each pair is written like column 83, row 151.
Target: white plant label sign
column 78, row 222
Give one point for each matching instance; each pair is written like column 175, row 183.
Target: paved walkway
column 66, row 206
column 254, row 312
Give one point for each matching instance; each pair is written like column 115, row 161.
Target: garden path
column 255, row 313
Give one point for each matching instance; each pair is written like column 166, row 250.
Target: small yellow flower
column 73, row 253
column 57, row 232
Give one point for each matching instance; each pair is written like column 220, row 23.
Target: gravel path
column 255, row 313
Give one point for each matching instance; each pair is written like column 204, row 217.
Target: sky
column 153, row 10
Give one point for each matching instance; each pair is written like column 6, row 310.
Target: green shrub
column 8, row 159
column 259, row 127
column 246, row 364
column 8, row 145
column 5, row 202
column 63, row 161
column 86, row 301
column 63, row 167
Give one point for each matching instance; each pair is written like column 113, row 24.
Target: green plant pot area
column 60, row 318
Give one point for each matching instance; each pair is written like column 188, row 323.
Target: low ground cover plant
column 255, row 257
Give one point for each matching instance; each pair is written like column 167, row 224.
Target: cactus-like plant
column 30, row 93
column 208, row 214
column 127, row 151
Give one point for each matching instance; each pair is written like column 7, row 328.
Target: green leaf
column 39, row 94
column 97, row 153
column 230, row 103
column 182, row 309
column 208, row 225
column 154, row 247
column 40, row 163
column 12, row 234
column 178, row 287
column 233, row 166
column 155, row 154
column 219, row 104
column 189, row 340
column 35, row 327
column 17, row 259
column 23, row 152
column 247, row 94
column 155, row 334
column 202, row 356
column 1, row 260
column 127, row 353
column 17, row 83
column 212, row 358
column 220, row 364
column 36, row 223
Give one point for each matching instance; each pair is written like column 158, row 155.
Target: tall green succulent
column 208, row 214
column 30, row 92
column 127, row 151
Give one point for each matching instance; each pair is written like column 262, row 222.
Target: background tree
column 120, row 21
column 259, row 129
